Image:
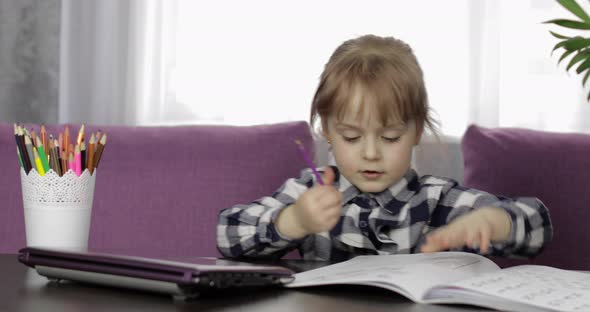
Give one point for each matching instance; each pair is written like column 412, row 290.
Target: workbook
column 460, row 278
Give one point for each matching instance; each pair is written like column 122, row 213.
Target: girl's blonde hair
column 387, row 73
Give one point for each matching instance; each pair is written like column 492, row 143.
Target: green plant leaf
column 564, row 55
column 559, row 45
column 582, row 55
column 569, row 23
column 585, row 78
column 577, row 43
column 577, row 46
column 574, row 43
column 558, row 36
column 574, row 7
column 585, row 65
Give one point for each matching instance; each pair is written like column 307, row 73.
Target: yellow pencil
column 38, row 162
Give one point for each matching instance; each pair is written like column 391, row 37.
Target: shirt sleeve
column 531, row 228
column 249, row 230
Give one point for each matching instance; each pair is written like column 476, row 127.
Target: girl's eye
column 391, row 140
column 350, row 139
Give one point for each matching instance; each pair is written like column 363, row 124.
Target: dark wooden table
column 22, row 289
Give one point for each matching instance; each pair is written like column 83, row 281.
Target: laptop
column 183, row 278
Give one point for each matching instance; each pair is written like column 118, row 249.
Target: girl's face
column 370, row 155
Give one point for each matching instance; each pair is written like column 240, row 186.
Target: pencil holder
column 57, row 209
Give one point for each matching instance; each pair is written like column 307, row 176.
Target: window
column 241, row 63
column 260, row 61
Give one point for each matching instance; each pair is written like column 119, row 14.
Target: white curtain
column 516, row 81
column 29, row 60
column 112, row 59
column 484, row 62
column 234, row 62
column 259, row 61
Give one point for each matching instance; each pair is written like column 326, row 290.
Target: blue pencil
column 309, row 162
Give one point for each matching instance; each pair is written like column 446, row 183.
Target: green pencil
column 42, row 155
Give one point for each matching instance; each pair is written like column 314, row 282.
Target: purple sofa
column 554, row 167
column 159, row 189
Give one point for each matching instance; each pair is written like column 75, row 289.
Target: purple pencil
column 309, row 161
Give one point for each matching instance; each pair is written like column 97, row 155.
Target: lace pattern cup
column 57, row 209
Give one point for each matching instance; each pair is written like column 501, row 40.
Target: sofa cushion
column 159, row 189
column 554, row 167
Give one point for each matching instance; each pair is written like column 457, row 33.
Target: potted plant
column 577, row 46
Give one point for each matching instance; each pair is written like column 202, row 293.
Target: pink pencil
column 309, row 162
column 78, row 161
column 71, row 163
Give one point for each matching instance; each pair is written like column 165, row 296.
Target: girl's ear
column 325, row 131
column 418, row 136
column 419, row 131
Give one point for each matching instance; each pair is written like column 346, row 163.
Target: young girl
column 372, row 108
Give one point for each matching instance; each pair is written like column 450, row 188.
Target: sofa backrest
column 439, row 156
column 159, row 189
column 553, row 167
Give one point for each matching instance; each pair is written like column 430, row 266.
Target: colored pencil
column 38, row 163
column 309, row 162
column 80, row 137
column 78, row 160
column 50, row 156
column 66, row 142
column 42, row 155
column 33, row 137
column 43, row 135
column 99, row 148
column 55, row 157
column 64, row 158
column 18, row 147
column 90, row 162
column 29, row 147
column 20, row 161
column 71, row 162
column 20, row 143
column 54, row 161
column 83, row 155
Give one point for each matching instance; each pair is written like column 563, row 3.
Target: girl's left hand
column 474, row 229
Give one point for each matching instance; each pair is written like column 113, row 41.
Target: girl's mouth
column 371, row 175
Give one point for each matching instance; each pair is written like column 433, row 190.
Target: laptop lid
column 185, row 277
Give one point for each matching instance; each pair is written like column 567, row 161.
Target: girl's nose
column 370, row 150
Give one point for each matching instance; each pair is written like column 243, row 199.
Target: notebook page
column 540, row 286
column 411, row 275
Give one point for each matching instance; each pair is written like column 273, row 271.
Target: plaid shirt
column 394, row 221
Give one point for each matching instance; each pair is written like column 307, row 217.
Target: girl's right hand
column 318, row 209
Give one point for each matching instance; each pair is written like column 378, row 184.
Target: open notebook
column 183, row 278
column 460, row 278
